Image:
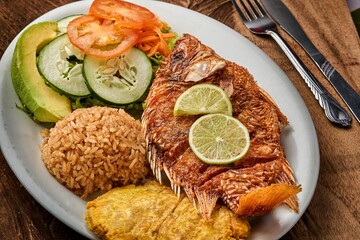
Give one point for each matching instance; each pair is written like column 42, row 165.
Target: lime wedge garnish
column 203, row 99
column 219, row 139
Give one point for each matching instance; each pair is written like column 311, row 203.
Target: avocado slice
column 40, row 101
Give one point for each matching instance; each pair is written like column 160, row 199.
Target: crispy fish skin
column 237, row 184
column 152, row 211
column 167, row 136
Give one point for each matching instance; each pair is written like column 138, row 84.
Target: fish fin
column 191, row 195
column 282, row 118
column 263, row 200
column 207, row 202
column 154, row 165
column 293, row 203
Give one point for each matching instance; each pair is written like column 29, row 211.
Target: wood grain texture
column 21, row 217
column 334, row 211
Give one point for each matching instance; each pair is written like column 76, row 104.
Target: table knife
column 282, row 15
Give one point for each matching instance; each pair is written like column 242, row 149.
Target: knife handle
column 333, row 111
column 345, row 91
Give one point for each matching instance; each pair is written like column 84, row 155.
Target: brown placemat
column 333, row 212
column 330, row 27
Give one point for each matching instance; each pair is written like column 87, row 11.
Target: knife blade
column 282, row 15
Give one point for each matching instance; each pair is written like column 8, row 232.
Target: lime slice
column 219, row 139
column 203, row 99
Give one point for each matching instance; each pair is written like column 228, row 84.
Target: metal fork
column 257, row 21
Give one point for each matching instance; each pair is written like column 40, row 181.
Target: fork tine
column 254, row 9
column 238, row 9
column 249, row 11
column 259, row 8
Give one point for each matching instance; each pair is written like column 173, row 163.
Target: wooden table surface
column 334, row 211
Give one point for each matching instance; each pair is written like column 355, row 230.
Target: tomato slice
column 125, row 14
column 99, row 38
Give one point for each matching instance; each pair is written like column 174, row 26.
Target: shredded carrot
column 147, row 32
column 164, row 48
column 144, row 47
column 153, row 40
column 155, row 37
column 153, row 50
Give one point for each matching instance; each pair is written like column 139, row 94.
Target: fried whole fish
column 255, row 184
column 152, row 211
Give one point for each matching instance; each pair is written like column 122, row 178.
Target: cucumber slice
column 121, row 80
column 60, row 63
column 62, row 23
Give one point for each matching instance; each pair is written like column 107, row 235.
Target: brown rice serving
column 94, row 149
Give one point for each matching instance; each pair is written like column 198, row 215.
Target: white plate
column 20, row 136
